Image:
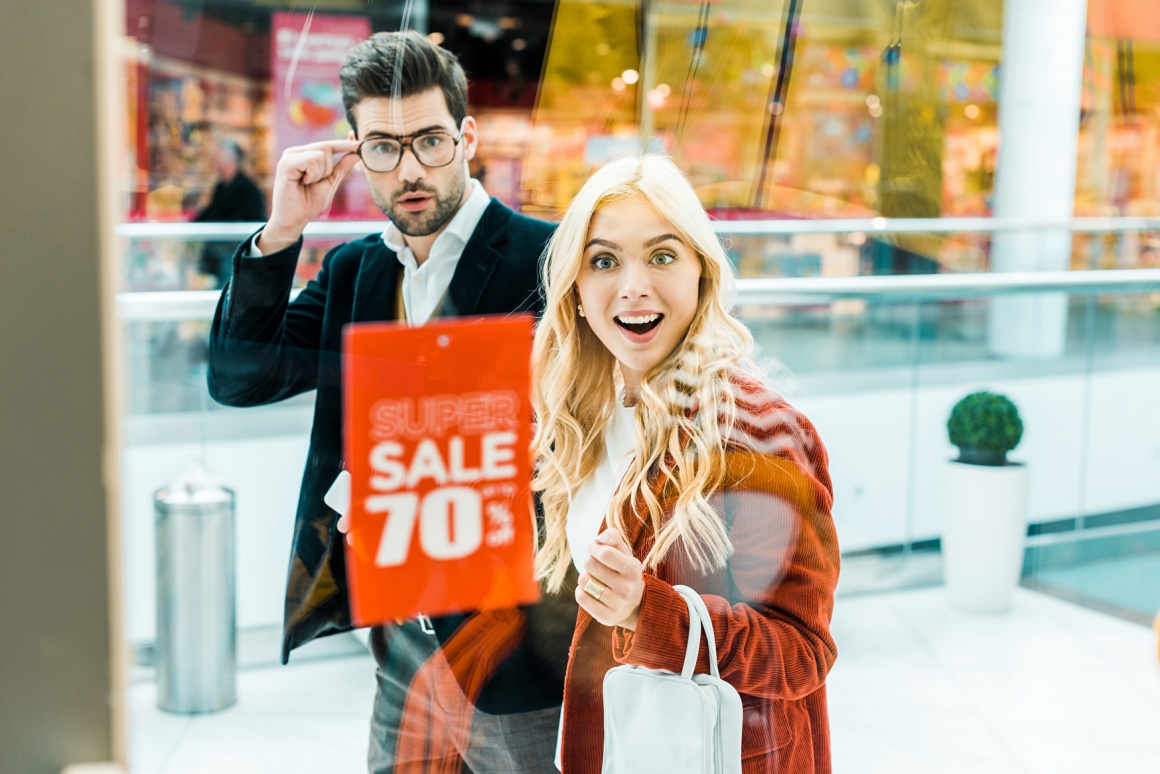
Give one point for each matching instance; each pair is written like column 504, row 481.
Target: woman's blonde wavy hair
column 576, row 382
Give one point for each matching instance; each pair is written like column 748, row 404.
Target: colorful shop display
column 306, row 52
column 813, row 125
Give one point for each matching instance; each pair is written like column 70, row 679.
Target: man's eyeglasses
column 431, row 149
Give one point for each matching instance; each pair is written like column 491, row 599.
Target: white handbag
column 663, row 722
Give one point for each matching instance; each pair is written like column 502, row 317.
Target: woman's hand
column 612, row 584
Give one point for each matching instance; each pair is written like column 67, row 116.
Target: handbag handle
column 698, row 620
column 694, row 635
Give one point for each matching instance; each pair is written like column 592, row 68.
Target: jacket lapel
column 374, row 287
column 480, row 258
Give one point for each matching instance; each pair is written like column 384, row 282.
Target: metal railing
column 328, row 229
column 756, row 292
column 200, row 304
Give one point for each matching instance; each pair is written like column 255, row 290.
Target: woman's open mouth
column 639, row 328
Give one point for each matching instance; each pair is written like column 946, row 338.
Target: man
column 449, row 250
column 236, row 198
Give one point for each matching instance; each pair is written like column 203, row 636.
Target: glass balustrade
column 876, row 359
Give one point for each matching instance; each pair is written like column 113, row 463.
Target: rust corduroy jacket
column 771, row 605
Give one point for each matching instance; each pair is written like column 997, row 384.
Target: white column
column 1041, row 78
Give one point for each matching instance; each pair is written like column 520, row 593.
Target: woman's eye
column 664, row 259
column 603, row 262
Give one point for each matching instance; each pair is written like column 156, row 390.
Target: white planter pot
column 984, row 513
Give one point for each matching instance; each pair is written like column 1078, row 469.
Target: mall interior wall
column 61, row 683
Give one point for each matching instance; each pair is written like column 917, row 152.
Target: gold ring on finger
column 594, row 589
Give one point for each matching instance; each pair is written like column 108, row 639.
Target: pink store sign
column 307, row 51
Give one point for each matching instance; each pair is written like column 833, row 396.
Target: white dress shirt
column 425, row 286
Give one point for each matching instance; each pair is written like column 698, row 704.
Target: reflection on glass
column 782, row 115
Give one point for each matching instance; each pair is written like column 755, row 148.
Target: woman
column 662, row 460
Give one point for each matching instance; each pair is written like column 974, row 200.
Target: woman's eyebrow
column 654, row 241
column 603, row 243
column 662, row 238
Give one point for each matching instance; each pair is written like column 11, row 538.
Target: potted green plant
column 984, row 504
column 985, row 427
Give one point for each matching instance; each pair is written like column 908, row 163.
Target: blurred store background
column 802, row 110
column 894, row 256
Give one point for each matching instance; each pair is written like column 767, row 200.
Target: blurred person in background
column 449, row 250
column 236, row 198
column 663, row 459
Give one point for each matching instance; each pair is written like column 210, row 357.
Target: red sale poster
column 438, row 424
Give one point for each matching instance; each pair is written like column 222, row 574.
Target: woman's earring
column 580, row 309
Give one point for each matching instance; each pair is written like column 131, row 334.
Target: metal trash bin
column 196, row 651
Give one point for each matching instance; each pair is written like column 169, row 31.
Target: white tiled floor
column 311, row 717
column 1051, row 688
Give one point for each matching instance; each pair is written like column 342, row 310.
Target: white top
column 425, row 286
column 590, row 503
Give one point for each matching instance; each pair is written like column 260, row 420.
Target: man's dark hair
column 397, row 65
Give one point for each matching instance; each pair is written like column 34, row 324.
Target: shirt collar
column 459, row 229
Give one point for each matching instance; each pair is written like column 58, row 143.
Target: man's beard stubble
column 427, row 223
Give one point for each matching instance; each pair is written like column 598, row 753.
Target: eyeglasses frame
column 406, row 142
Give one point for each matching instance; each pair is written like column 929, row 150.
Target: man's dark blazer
column 264, row 348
